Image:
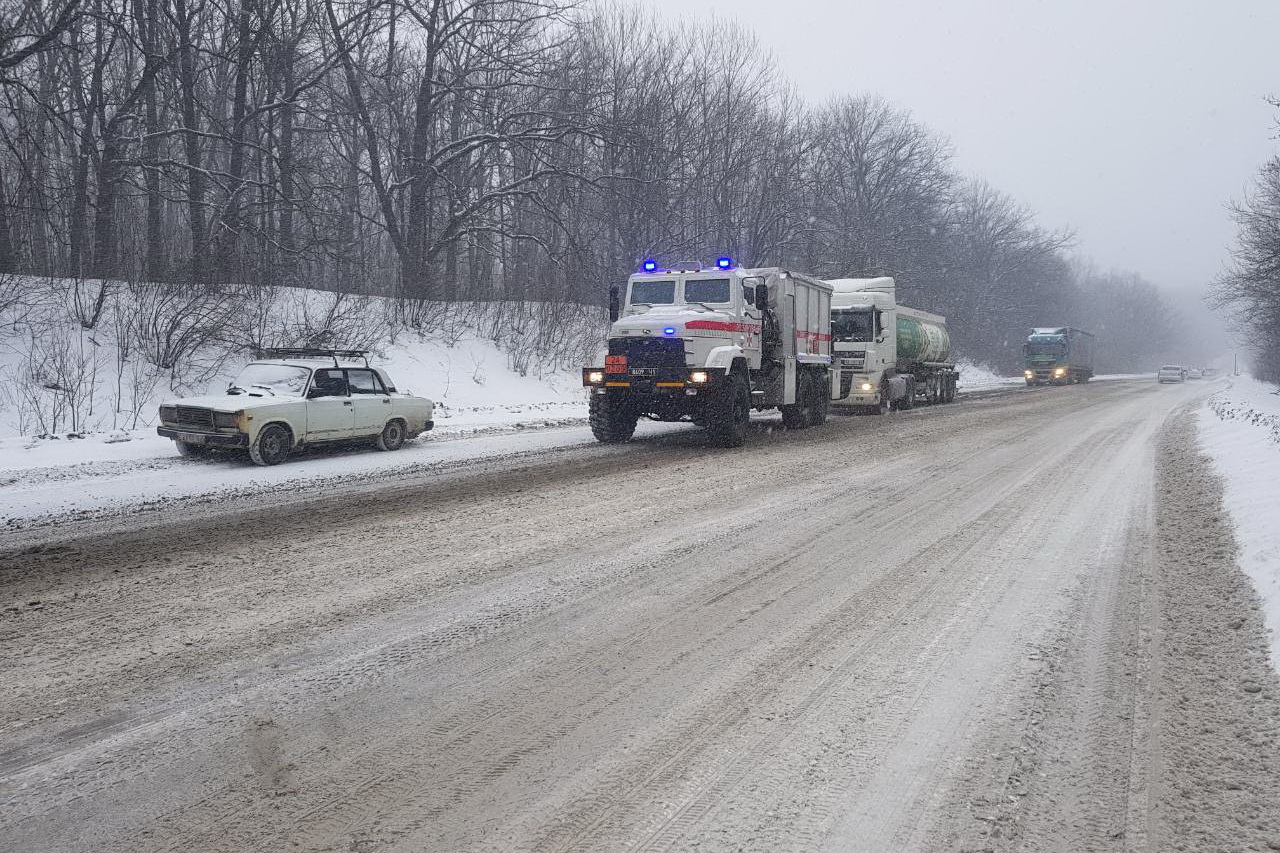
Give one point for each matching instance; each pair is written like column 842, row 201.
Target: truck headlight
column 1059, row 371
column 698, row 377
column 595, row 377
column 865, row 386
column 1028, row 373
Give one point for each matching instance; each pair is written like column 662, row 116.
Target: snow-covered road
column 1012, row 624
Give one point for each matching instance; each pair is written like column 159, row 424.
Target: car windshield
column 284, row 380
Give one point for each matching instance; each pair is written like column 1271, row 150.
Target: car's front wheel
column 189, row 450
column 272, row 446
column 392, row 437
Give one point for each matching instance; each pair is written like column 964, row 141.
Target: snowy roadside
column 1240, row 431
column 45, row 480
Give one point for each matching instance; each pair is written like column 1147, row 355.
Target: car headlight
column 225, row 420
column 169, row 413
column 699, row 377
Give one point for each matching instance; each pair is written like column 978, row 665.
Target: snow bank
column 90, row 357
column 1240, row 431
column 980, row 377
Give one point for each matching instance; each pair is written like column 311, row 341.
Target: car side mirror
column 614, row 305
column 315, row 393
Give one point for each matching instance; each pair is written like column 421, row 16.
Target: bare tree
column 1249, row 290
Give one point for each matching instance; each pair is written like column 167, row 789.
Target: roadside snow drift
column 1240, row 430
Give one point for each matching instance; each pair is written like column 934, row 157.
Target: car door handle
column 386, row 402
column 346, row 402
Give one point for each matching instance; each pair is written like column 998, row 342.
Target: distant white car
column 1194, row 373
column 1171, row 373
column 297, row 398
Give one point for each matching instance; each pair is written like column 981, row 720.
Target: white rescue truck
column 885, row 354
column 708, row 346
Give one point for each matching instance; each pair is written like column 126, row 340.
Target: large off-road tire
column 730, row 417
column 821, row 401
column 799, row 414
column 392, row 437
column 612, row 420
column 272, row 445
column 190, row 451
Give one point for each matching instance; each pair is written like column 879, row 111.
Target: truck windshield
column 653, row 292
column 706, row 290
column 1055, row 348
column 851, row 326
column 281, row 379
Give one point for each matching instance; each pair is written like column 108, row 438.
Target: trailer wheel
column 612, row 421
column 908, row 400
column 731, row 415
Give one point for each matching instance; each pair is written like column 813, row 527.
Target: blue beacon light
column 649, row 266
column 669, row 331
column 724, row 263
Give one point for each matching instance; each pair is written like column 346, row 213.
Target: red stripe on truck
column 718, row 326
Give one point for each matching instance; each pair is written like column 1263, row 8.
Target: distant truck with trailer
column 1057, row 355
column 886, row 355
column 709, row 345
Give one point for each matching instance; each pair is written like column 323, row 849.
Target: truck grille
column 193, row 417
column 649, row 352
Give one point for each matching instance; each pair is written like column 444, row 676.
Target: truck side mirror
column 762, row 297
column 614, row 308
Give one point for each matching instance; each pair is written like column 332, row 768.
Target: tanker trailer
column 874, row 370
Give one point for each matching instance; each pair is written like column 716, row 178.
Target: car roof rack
column 312, row 352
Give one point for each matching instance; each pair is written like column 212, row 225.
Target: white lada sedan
column 297, row 398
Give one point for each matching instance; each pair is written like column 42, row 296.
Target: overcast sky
column 1132, row 122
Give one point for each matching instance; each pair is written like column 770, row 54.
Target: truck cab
column 707, row 345
column 884, row 354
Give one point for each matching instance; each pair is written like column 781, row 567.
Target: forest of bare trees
column 523, row 151
column 1249, row 290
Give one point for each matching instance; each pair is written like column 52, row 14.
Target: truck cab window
column 706, row 290
column 855, row 326
column 653, row 293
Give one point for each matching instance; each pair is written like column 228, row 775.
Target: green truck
column 1058, row 355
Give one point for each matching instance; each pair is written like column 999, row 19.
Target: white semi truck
column 885, row 354
column 708, row 345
